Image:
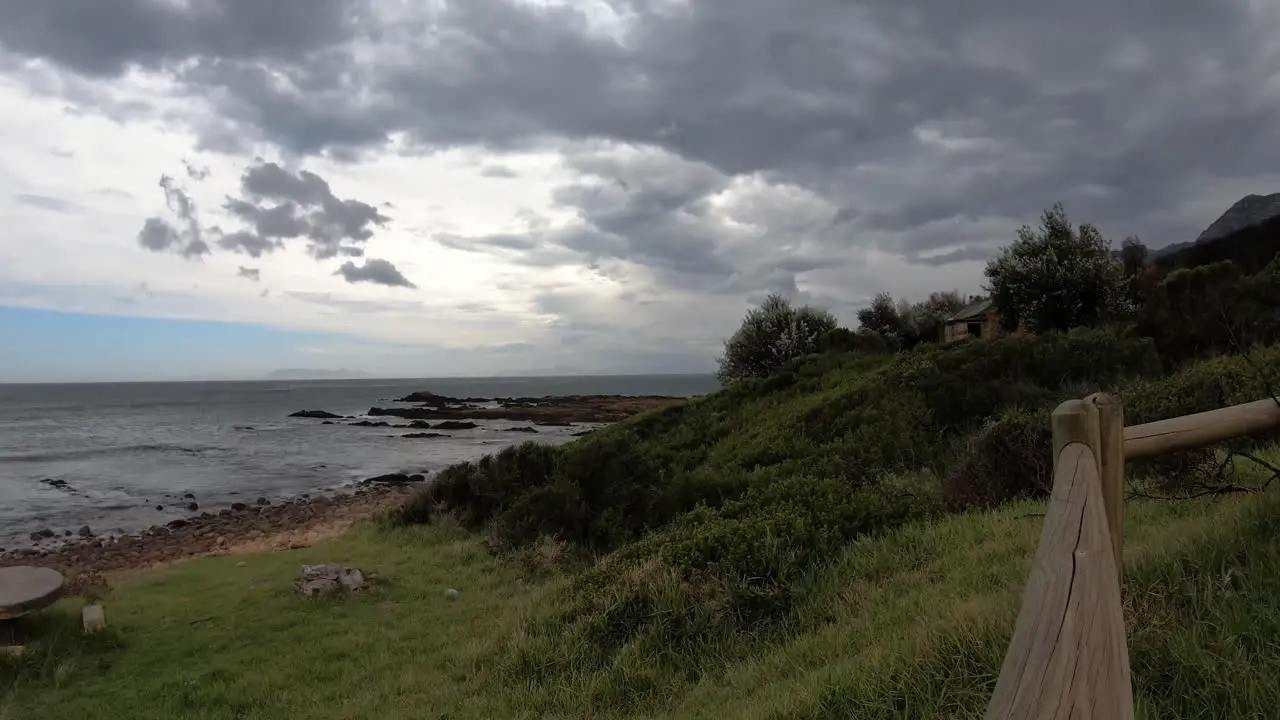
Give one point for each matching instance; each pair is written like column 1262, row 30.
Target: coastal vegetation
column 842, row 531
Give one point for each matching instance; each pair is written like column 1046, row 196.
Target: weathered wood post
column 1068, row 657
column 1110, row 453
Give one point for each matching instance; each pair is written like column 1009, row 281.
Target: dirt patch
column 243, row 530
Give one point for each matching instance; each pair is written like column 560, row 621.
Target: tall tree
column 882, row 317
column 1056, row 276
column 771, row 336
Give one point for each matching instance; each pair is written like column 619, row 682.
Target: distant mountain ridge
column 1247, row 211
column 314, row 374
column 1248, row 233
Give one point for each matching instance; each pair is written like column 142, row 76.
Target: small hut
column 978, row 319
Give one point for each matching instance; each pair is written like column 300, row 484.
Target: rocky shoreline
column 238, row 529
column 83, row 557
column 566, row 410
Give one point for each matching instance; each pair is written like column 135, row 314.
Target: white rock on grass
column 94, row 618
column 450, row 594
column 327, row 579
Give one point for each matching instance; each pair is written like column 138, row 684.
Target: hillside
column 846, row 539
column 1248, row 234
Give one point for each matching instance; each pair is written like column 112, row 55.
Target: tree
column 905, row 325
column 1133, row 256
column 771, row 336
column 929, row 316
column 1056, row 277
column 882, row 317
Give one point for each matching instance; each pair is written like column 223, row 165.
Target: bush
column 771, row 336
column 1010, row 459
column 1200, row 387
column 1212, row 309
column 966, row 383
column 715, row 572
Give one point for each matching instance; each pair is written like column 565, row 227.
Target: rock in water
column 389, row 479
column 317, row 414
column 328, row 579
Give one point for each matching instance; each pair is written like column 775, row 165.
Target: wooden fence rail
column 1069, row 657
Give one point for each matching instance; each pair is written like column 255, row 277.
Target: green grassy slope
column 909, row 624
column 787, row 548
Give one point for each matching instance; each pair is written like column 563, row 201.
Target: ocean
column 105, row 455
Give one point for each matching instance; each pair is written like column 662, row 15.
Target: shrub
column 770, row 336
column 1205, row 385
column 1009, row 459
column 965, row 383
column 1212, row 309
column 716, row 571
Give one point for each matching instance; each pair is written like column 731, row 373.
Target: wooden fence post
column 1110, row 453
column 1069, row 423
column 1068, row 657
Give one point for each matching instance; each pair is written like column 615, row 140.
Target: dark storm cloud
column 379, row 272
column 906, row 115
column 932, row 128
column 105, row 37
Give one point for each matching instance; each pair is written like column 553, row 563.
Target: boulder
column 367, row 423
column 86, row 531
column 315, row 414
column 523, row 429
column 329, row 579
column 44, row 534
column 456, row 425
column 389, row 479
column 419, row 425
column 425, row 435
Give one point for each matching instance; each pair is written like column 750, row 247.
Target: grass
column 912, row 623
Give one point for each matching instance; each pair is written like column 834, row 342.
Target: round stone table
column 23, row 589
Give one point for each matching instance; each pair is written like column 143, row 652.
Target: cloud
column 160, row 235
column 253, row 274
column 46, row 202
column 379, row 272
column 498, row 171
column 279, row 205
column 629, row 174
column 107, row 37
column 194, row 172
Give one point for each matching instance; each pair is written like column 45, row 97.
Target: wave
column 109, row 451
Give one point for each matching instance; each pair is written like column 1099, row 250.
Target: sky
column 223, row 188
